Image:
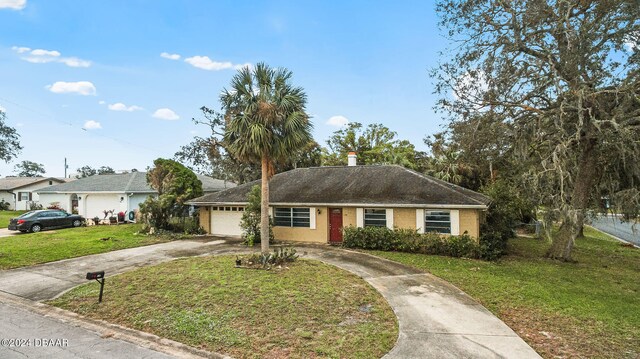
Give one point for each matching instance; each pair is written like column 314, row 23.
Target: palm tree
column 266, row 123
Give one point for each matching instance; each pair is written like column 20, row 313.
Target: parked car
column 35, row 221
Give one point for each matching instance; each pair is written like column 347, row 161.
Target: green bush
column 407, row 240
column 506, row 210
column 250, row 221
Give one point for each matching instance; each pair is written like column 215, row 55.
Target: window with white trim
column 375, row 217
column 292, row 217
column 437, row 221
column 23, row 196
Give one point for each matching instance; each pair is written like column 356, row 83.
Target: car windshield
column 24, row 215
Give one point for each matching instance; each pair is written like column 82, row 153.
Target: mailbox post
column 99, row 277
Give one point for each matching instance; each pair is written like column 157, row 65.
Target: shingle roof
column 134, row 182
column 354, row 185
column 10, row 183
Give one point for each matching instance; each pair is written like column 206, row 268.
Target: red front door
column 335, row 225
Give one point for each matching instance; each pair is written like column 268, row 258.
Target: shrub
column 506, row 210
column 4, row 206
column 54, row 205
column 267, row 260
column 250, row 222
column 186, row 225
column 377, row 238
column 408, row 240
column 34, row 206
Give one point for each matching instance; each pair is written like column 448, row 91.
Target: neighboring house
column 90, row 196
column 19, row 191
column 314, row 204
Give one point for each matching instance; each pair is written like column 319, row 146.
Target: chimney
column 351, row 159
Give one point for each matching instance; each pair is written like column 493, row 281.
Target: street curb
column 109, row 330
column 614, row 237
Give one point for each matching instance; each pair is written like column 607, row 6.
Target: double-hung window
column 375, row 217
column 23, row 196
column 292, row 217
column 437, row 221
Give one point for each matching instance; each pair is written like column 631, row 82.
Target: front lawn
column 307, row 310
column 5, row 216
column 586, row 309
column 48, row 246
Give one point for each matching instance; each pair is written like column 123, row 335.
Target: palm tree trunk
column 264, row 206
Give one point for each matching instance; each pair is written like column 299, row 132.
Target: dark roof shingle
column 354, row 185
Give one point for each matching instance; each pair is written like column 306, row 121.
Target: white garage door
column 226, row 223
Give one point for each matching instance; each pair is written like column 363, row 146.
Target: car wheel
column 77, row 223
column 36, row 228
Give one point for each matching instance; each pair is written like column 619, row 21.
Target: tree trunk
column 573, row 220
column 264, row 206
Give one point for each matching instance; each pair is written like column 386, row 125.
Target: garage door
column 226, row 222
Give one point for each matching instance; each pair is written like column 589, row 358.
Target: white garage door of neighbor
column 226, row 223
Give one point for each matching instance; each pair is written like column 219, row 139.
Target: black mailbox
column 99, row 277
column 95, row 275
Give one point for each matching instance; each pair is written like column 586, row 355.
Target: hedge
column 407, row 240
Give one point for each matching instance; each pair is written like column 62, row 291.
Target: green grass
column 47, row 246
column 5, row 216
column 590, row 308
column 307, row 310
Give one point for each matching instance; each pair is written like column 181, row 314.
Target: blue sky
column 84, row 79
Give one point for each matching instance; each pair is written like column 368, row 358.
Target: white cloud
column 21, row 49
column 41, row 56
column 205, row 63
column 13, row 4
column 337, row 121
column 92, row 125
column 81, row 87
column 166, row 114
column 41, row 52
column 74, row 62
column 2, row 109
column 19, row 124
column 101, row 102
column 39, row 59
column 122, row 107
column 169, row 56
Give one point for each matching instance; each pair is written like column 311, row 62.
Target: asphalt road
column 24, row 334
column 615, row 227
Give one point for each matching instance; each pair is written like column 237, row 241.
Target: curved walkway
column 436, row 319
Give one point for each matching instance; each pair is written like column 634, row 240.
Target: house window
column 292, row 217
column 437, row 221
column 228, row 209
column 23, row 196
column 375, row 217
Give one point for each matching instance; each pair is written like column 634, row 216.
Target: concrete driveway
column 4, row 232
column 436, row 319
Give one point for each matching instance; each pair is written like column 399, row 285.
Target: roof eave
column 376, row 205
